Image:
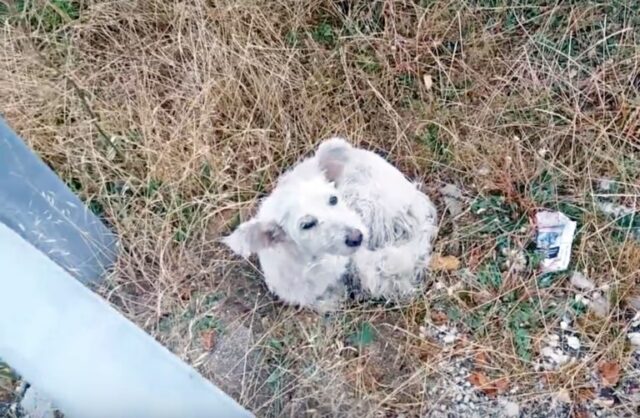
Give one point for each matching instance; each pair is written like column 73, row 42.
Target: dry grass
column 171, row 119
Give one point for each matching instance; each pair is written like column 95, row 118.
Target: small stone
column 564, row 326
column 511, row 409
column 428, row 81
column 634, row 337
column 605, row 184
column 453, row 199
column 634, row 302
column 580, row 281
column 604, row 402
column 484, row 170
column 608, row 393
column 557, row 356
column 573, row 342
column 563, row 396
column 548, row 352
column 599, row 305
column 443, row 407
column 449, row 338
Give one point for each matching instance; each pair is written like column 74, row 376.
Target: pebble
column 563, row 396
column 634, row 337
column 573, row 342
column 556, row 356
column 605, row 184
column 599, row 305
column 582, row 299
column 634, row 302
column 580, row 281
column 511, row 409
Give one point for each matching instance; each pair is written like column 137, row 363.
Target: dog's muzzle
column 353, row 238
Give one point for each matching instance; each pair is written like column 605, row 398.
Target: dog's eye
column 333, row 200
column 309, row 224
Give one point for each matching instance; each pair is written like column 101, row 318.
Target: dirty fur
column 306, row 232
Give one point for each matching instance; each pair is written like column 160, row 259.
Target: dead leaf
column 427, row 351
column 439, row 317
column 444, row 263
column 585, row 394
column 579, row 411
column 609, row 372
column 482, row 296
column 481, row 359
column 478, row 379
column 208, row 339
column 490, row 388
column 550, row 377
column 185, row 294
column 501, row 384
column 476, row 256
column 363, row 375
column 428, row 81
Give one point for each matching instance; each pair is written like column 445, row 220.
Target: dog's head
column 307, row 212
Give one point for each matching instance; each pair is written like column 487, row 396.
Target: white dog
column 343, row 221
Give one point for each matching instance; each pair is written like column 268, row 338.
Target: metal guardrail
column 60, row 336
column 36, row 204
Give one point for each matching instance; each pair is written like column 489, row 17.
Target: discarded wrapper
column 555, row 236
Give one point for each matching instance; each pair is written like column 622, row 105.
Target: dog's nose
column 354, row 238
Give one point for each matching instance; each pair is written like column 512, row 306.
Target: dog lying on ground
column 342, row 223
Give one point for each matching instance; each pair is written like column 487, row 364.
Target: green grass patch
column 432, row 140
column 325, row 34
column 363, row 335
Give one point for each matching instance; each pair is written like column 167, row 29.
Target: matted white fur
column 342, row 219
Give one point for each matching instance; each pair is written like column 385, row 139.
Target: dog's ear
column 253, row 236
column 333, row 155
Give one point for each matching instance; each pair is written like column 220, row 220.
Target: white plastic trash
column 555, row 236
